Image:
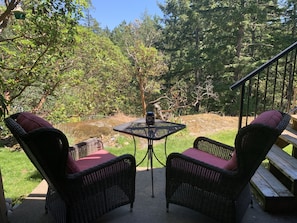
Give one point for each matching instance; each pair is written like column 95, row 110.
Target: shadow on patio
column 146, row 209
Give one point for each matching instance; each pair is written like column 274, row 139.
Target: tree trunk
column 44, row 97
column 41, row 102
column 142, row 96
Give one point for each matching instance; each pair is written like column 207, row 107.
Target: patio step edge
column 283, row 167
column 271, row 194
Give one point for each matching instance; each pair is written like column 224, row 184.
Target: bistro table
column 159, row 130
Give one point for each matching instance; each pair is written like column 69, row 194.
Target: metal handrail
column 262, row 67
column 255, row 73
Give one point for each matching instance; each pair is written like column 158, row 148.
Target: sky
column 111, row 13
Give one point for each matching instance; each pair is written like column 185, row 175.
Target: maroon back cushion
column 30, row 122
column 270, row 118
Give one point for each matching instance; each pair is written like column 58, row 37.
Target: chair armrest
column 85, row 148
column 180, row 161
column 194, row 172
column 213, row 147
column 119, row 171
column 127, row 160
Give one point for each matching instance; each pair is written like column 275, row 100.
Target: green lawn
column 19, row 176
column 177, row 142
column 172, row 145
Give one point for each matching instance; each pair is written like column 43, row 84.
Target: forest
column 56, row 60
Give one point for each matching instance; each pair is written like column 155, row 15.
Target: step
column 289, row 135
column 284, row 167
column 272, row 195
column 294, row 121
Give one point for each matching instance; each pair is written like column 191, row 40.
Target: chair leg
column 252, row 203
column 131, row 207
column 167, row 207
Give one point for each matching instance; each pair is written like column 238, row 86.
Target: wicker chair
column 213, row 178
column 98, row 184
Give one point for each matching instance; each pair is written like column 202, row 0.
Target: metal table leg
column 150, row 158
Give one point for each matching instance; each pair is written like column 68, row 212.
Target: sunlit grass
column 177, row 142
column 19, row 176
column 226, row 137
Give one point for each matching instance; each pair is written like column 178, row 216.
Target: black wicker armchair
column 80, row 189
column 213, row 178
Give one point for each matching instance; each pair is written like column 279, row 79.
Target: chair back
column 47, row 148
column 253, row 142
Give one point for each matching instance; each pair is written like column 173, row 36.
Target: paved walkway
column 146, row 209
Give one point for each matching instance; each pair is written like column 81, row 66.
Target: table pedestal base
column 150, row 154
column 156, row 130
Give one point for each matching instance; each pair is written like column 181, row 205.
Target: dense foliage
column 57, row 64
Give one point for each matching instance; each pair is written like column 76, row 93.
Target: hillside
column 197, row 125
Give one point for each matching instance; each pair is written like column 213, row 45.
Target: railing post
column 241, row 106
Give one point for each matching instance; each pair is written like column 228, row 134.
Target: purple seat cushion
column 99, row 157
column 205, row 157
column 30, row 122
column 269, row 118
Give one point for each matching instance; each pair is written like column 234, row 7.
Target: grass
column 226, row 137
column 175, row 143
column 19, row 176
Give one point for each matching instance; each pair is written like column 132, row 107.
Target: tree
column 138, row 40
column 148, row 63
column 4, row 18
column 34, row 50
column 7, row 12
column 223, row 40
column 98, row 81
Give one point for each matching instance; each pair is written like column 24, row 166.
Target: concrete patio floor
column 146, row 209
